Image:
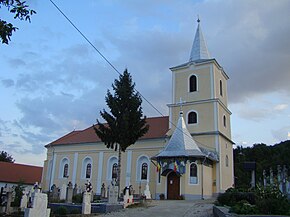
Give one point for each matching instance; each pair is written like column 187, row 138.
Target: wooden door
column 173, row 186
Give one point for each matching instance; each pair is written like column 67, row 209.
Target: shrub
column 61, row 211
column 75, row 211
column 78, row 198
column 272, row 201
column 244, row 207
column 233, row 196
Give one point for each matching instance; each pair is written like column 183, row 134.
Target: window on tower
column 221, row 88
column 227, row 161
column 192, row 118
column 192, row 83
column 225, row 121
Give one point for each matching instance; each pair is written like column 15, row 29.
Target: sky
column 53, row 82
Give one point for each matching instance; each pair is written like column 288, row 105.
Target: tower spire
column 199, row 48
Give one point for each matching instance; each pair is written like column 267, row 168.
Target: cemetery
column 268, row 197
column 69, row 200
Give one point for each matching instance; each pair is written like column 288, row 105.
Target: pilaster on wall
column 75, row 168
column 128, row 168
column 100, row 172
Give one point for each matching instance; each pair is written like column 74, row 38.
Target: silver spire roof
column 199, row 49
column 181, row 143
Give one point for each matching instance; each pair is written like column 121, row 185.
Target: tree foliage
column 20, row 10
column 4, row 156
column 125, row 121
column 266, row 157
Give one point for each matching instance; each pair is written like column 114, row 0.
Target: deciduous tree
column 20, row 10
column 4, row 156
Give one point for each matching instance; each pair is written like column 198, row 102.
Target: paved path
column 168, row 208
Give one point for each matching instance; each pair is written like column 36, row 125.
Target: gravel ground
column 168, row 208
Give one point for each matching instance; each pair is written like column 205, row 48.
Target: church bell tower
column 200, row 88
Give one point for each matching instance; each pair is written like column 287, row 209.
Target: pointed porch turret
column 181, row 144
column 199, row 49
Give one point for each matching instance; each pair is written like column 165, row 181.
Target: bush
column 231, row 197
column 61, row 211
column 75, row 211
column 78, row 198
column 162, row 196
column 244, row 207
column 267, row 200
column 271, row 201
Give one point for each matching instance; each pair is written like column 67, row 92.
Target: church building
column 188, row 154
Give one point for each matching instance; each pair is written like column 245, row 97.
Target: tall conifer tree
column 125, row 121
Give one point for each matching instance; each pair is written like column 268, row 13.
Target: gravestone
column 75, row 190
column 86, row 205
column 9, row 200
column 271, row 176
column 264, row 178
column 103, row 191
column 147, row 192
column 69, row 193
column 113, row 193
column 55, row 192
column 24, row 201
column 128, row 198
column 92, row 196
column 39, row 205
column 62, row 195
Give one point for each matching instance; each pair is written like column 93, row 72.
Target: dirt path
column 168, row 208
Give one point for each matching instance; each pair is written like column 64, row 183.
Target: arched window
column 192, row 118
column 112, row 168
column 65, row 171
column 64, row 168
column 221, row 88
column 192, row 83
column 88, row 171
column 227, row 161
column 193, row 174
column 87, row 165
column 142, row 168
column 114, row 171
column 144, row 171
column 225, row 121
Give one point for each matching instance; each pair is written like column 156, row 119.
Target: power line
column 115, row 69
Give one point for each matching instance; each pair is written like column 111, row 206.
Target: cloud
column 282, row 133
column 7, row 83
column 281, row 107
column 15, row 62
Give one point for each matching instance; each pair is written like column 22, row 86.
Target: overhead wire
column 114, row 68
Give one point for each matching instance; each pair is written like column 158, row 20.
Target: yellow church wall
column 214, row 179
column 205, row 119
column 218, row 76
column 226, row 149
column 206, row 141
column 226, row 130
column 181, row 83
column 207, row 181
column 192, row 191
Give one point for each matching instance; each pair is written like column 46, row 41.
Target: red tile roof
column 158, row 127
column 14, row 173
